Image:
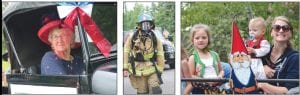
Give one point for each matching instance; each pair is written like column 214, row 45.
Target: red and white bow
column 70, row 11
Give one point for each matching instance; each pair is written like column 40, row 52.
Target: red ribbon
column 91, row 28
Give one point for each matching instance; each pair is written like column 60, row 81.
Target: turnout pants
column 146, row 84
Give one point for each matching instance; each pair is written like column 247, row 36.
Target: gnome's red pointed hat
column 237, row 44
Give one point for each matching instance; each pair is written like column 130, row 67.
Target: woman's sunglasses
column 277, row 28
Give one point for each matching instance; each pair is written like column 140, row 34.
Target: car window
column 106, row 23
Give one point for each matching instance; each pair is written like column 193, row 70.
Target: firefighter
column 144, row 57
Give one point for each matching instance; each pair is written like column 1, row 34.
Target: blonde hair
column 284, row 19
column 197, row 28
column 259, row 21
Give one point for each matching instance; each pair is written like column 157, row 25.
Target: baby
column 257, row 46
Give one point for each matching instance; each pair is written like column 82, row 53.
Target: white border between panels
column 177, row 47
column 120, row 47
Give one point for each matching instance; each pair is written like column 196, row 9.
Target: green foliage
column 130, row 17
column 163, row 13
column 106, row 19
column 219, row 16
column 165, row 16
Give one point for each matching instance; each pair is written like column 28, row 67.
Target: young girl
column 204, row 63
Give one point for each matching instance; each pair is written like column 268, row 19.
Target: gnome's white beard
column 242, row 74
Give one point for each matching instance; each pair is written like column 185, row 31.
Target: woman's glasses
column 277, row 28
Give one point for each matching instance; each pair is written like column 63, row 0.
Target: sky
column 130, row 5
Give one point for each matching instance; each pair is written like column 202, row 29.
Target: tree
column 165, row 16
column 106, row 20
column 130, row 17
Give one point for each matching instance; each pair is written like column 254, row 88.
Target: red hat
column 237, row 44
column 44, row 31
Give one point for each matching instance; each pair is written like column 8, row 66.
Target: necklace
column 274, row 57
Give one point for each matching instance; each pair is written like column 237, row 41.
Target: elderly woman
column 59, row 61
column 282, row 62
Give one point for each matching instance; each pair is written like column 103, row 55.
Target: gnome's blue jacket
column 238, row 84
